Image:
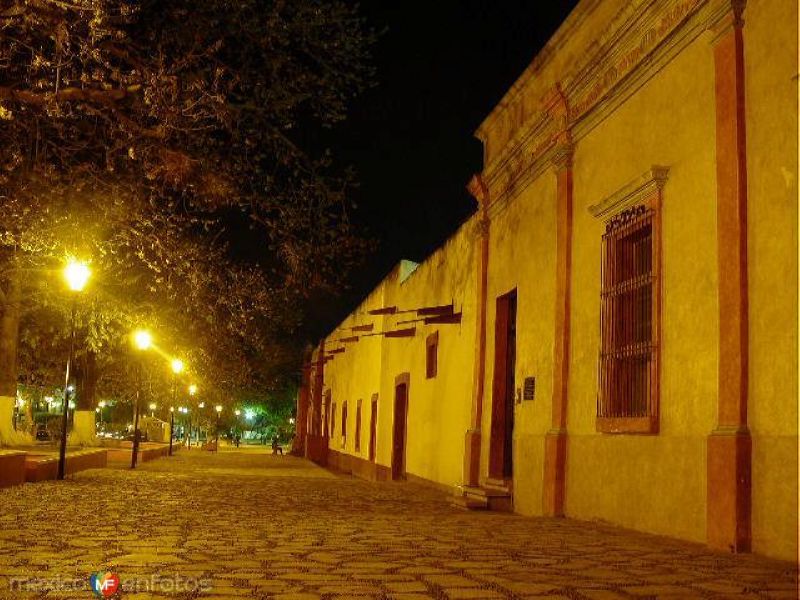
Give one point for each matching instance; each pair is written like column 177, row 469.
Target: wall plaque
column 529, row 388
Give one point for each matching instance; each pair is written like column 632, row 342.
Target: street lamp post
column 192, row 393
column 171, row 427
column 143, row 340
column 77, row 275
column 177, row 369
column 218, row 408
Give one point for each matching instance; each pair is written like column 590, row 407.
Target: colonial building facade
column 613, row 334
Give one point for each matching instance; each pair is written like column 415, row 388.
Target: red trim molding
column 472, row 439
column 729, row 446
column 555, row 455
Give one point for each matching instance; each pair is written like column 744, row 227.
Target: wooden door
column 373, row 427
column 400, row 433
column 502, row 430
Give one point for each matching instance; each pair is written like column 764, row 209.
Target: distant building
column 622, row 341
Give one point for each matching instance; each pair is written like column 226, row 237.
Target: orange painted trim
column 728, row 484
column 562, row 310
column 728, row 479
column 472, row 439
column 555, row 470
column 732, row 228
column 555, row 461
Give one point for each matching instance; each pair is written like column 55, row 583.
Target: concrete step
column 469, row 503
column 499, row 499
column 503, row 486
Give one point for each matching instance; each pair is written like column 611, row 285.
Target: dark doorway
column 505, row 338
column 326, row 432
column 373, row 427
column 400, row 427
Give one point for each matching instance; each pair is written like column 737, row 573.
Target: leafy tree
column 143, row 133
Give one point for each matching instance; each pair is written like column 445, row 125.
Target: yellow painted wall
column 653, row 483
column 770, row 38
column 522, row 256
column 355, row 374
column 438, row 408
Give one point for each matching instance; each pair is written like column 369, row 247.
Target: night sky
column 441, row 66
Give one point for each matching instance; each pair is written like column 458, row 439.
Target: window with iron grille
column 628, row 391
column 432, row 355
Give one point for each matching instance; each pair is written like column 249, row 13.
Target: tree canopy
column 149, row 136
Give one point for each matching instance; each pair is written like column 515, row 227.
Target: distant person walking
column 276, row 447
column 236, row 439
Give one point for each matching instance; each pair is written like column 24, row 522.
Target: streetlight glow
column 237, row 412
column 218, row 408
column 201, row 405
column 249, row 413
column 177, row 365
column 142, row 339
column 192, row 390
column 152, row 406
column 76, row 273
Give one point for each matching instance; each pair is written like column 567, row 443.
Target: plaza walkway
column 244, row 524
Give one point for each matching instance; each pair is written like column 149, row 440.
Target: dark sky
column 442, row 65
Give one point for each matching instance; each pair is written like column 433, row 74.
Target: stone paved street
column 249, row 525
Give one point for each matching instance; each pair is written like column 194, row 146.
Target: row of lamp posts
column 77, row 275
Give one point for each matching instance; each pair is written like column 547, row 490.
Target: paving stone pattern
column 249, row 525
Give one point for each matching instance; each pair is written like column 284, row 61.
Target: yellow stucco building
column 613, row 334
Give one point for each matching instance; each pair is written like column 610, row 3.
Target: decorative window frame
column 645, row 191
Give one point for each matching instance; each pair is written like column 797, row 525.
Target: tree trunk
column 86, row 375
column 86, row 381
column 9, row 335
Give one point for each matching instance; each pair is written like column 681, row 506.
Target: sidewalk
column 245, row 524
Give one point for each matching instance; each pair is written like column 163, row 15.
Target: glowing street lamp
column 177, row 366
column 76, row 275
column 153, row 407
column 193, row 390
column 142, row 340
column 237, row 412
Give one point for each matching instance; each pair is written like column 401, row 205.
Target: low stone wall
column 147, row 452
column 357, row 466
column 12, row 467
column 43, row 467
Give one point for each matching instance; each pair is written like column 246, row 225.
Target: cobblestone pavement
column 249, row 525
